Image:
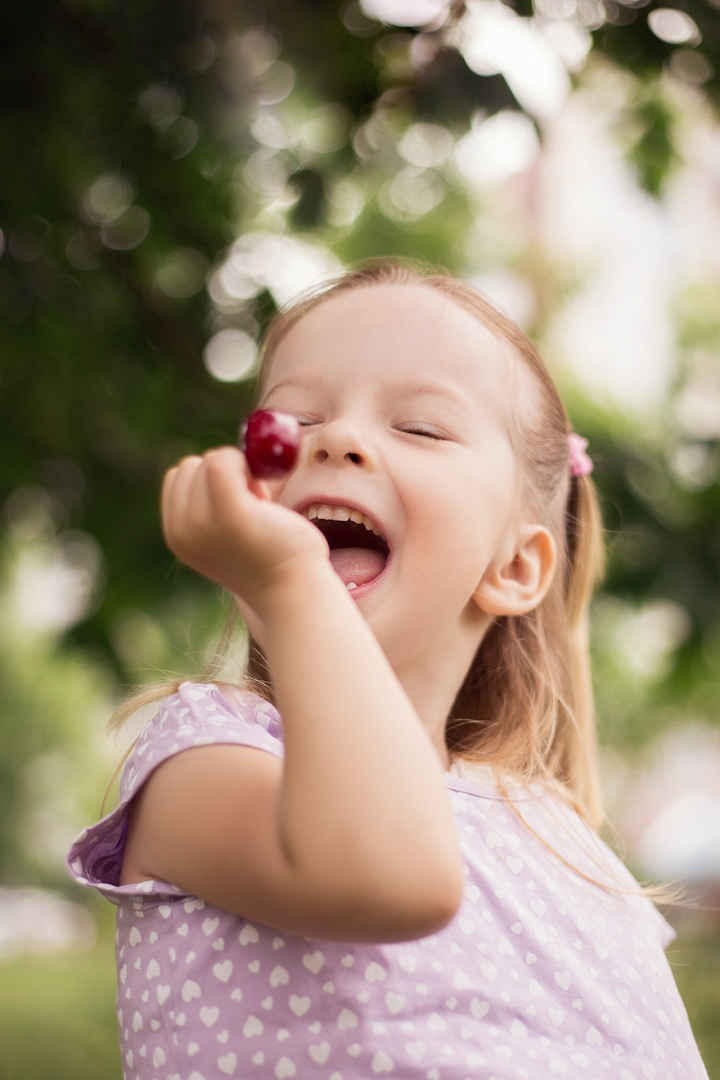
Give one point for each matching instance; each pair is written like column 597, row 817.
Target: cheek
column 460, row 525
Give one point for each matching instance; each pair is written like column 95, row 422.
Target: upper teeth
column 340, row 513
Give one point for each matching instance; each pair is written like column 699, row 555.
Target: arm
column 353, row 838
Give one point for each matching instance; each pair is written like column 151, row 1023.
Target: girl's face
column 403, row 397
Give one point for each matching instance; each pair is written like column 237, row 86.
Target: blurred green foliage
column 57, row 1014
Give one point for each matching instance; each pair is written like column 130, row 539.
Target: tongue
column 358, row 565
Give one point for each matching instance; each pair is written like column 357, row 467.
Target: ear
column 521, row 583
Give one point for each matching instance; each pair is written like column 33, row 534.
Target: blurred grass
column 57, row 1014
column 695, row 961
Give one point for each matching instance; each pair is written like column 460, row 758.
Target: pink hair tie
column 580, row 463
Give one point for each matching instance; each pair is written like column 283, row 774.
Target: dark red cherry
column 271, row 441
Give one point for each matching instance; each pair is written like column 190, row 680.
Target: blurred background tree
column 175, row 171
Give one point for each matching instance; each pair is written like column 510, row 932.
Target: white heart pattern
column 249, row 935
column 436, row 1023
column 347, row 1019
column 382, row 1062
column 279, row 976
column 416, row 1049
column 227, row 1063
column 190, row 990
column 313, row 962
column 299, row 1005
column 479, row 1008
column 252, row 1026
column 209, row 1015
column 319, row 1052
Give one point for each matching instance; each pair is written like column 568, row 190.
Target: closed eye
column 420, row 429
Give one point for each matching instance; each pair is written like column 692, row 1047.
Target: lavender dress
column 539, row 975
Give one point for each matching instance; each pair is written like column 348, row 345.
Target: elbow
column 438, row 890
column 418, row 905
column 440, row 902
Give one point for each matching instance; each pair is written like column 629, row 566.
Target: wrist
column 298, row 583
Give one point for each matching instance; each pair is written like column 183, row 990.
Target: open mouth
column 358, row 550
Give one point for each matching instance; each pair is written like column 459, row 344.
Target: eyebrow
column 406, row 387
column 417, row 388
column 306, row 383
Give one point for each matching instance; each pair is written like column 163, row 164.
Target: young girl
column 378, row 855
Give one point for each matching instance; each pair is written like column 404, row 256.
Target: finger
column 176, row 494
column 201, row 507
column 166, row 490
column 259, row 488
column 227, row 481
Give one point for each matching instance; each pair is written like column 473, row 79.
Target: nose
column 342, row 442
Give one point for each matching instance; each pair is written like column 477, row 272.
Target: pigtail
column 584, row 570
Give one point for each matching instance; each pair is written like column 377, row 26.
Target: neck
column 432, row 680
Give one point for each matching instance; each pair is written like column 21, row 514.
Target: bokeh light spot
column 230, row 355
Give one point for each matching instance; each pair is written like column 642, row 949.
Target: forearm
column 364, row 808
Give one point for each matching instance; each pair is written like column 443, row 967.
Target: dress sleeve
column 199, row 714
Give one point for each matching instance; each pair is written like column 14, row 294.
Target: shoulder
column 197, row 715
column 200, row 714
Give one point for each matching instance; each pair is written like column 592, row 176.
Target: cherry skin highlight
column 271, row 441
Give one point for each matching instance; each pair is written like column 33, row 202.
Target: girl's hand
column 223, row 523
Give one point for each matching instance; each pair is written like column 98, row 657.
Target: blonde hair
column 526, row 705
